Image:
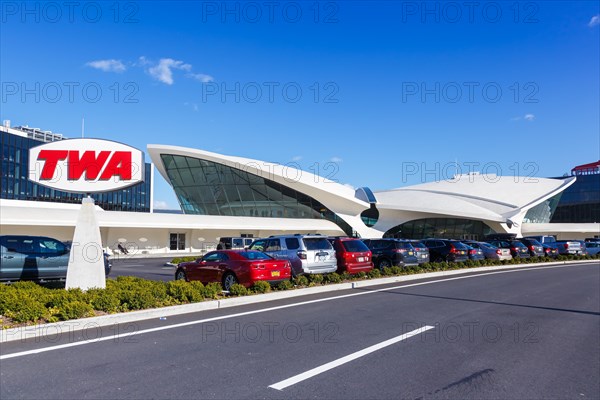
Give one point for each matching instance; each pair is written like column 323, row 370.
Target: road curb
column 115, row 320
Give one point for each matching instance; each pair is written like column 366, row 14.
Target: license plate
column 463, row 252
column 275, row 273
column 423, row 255
column 410, row 253
column 361, row 259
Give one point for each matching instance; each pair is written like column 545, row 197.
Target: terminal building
column 580, row 203
column 223, row 195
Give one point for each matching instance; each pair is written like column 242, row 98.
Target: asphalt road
column 532, row 333
column 147, row 268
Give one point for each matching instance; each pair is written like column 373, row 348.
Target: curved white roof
column 474, row 196
column 337, row 197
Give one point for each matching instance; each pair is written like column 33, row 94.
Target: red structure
column 586, row 169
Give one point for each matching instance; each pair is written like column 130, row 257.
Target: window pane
column 292, row 243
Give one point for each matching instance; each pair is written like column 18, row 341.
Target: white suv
column 308, row 254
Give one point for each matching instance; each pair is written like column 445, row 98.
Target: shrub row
column 178, row 260
column 27, row 302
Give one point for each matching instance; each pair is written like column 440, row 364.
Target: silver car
column 36, row 258
column 308, row 254
column 32, row 258
column 490, row 251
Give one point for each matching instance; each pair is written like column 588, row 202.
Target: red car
column 353, row 256
column 235, row 266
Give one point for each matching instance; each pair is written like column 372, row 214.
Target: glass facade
column 16, row 185
column 371, row 216
column 542, row 213
column 442, row 228
column 208, row 188
column 580, row 202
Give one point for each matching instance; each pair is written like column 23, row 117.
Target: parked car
column 593, row 248
column 37, row 258
column 475, row 253
column 353, row 256
column 565, row 247
column 391, row 252
column 490, row 251
column 536, row 249
column 597, row 240
column 517, row 249
column 232, row 243
column 446, row 250
column 550, row 251
column 583, row 245
column 421, row 251
column 308, row 254
column 234, row 266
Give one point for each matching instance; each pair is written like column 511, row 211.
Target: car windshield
column 534, row 242
column 459, row 245
column 354, row 246
column 488, row 245
column 418, row 245
column 254, row 255
column 403, row 245
column 518, row 244
column 316, row 244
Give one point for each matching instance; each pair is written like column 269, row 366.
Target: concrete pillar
column 86, row 263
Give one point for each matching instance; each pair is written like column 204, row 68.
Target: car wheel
column 384, row 264
column 229, row 280
column 180, row 275
column 439, row 259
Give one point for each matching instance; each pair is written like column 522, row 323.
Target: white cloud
column 336, row 160
column 594, row 21
column 201, row 77
column 142, row 62
column 296, row 158
column 526, row 117
column 163, row 71
column 160, row 205
column 111, row 65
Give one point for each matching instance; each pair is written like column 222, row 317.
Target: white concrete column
column 86, row 263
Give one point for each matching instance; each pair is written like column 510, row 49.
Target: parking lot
column 147, row 268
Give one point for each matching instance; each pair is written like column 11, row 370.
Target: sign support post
column 86, row 264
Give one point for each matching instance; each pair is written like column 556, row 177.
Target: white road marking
column 351, row 357
column 201, row 321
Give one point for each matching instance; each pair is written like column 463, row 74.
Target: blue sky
column 391, row 93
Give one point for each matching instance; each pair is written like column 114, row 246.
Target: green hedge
column 28, row 302
column 178, row 260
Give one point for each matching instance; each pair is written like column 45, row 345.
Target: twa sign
column 86, row 165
